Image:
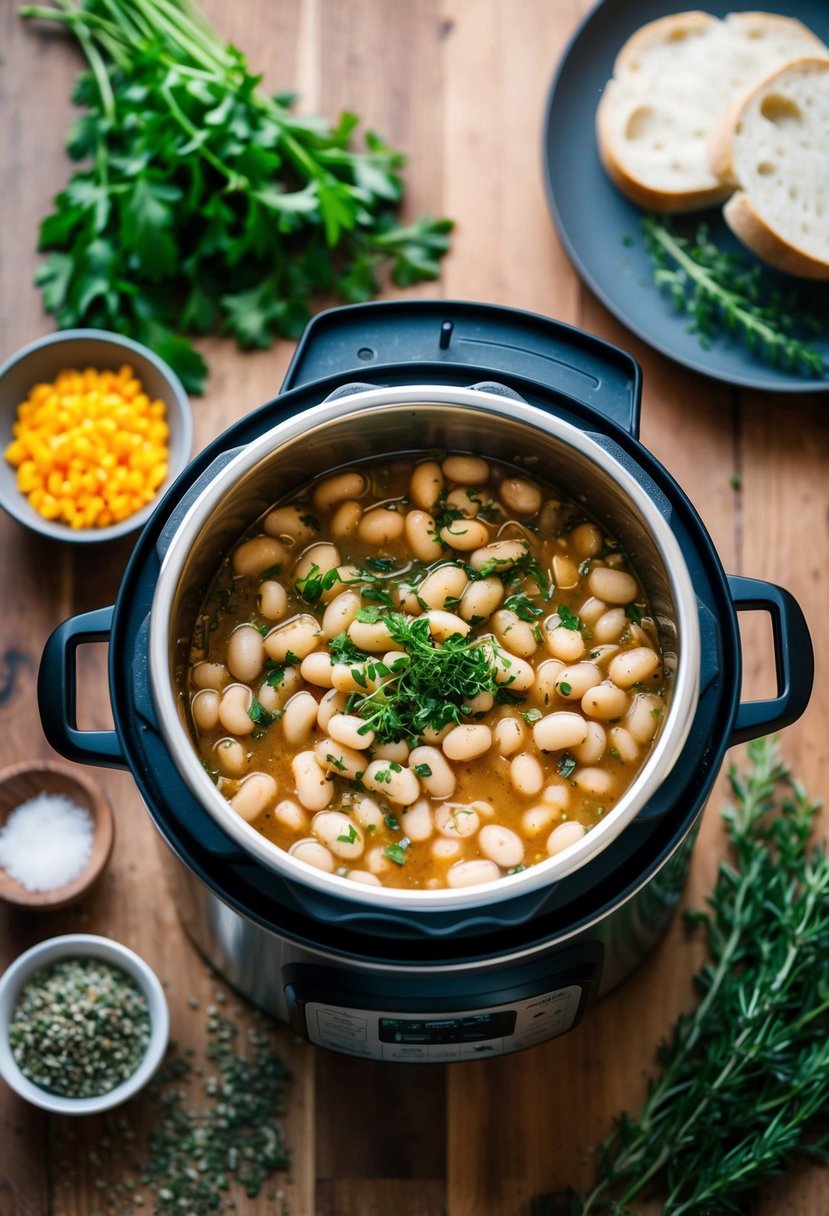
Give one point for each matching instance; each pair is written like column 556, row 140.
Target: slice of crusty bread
column 773, row 146
column 672, row 81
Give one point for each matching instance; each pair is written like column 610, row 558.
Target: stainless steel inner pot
column 363, row 424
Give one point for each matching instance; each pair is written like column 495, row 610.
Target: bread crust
column 770, row 246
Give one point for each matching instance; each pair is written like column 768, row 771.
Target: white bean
column 443, row 625
column 323, row 555
column 339, row 760
column 445, row 584
column 233, row 709
column 501, row 845
column 333, row 702
column 351, row 730
column 346, row 519
column 291, row 815
column 591, row 610
column 313, row 789
column 521, row 496
column 644, row 716
column 367, row 813
column 439, row 780
column 526, row 774
column 467, row 741
column 372, row 636
column 291, row 523
column 633, row 666
column 316, row 667
column 272, row 599
column 231, row 757
column 610, row 625
column 260, row 553
column 466, row 470
column 565, row 644
column 299, row 718
column 205, row 709
column 365, row 877
column 426, row 484
column 245, row 652
column 313, row 854
column 565, row 572
column 444, row 849
column 253, row 795
column 422, row 535
column 380, row 525
column 537, row 819
column 480, row 599
column 501, row 554
column 481, row 703
column 593, row 748
column 338, row 833
column 464, row 500
column 574, row 681
column 457, row 821
column 624, row 744
column 547, row 675
column 340, row 613
column 471, row 873
column 209, row 675
column 605, row 702
column 603, row 653
column 612, row 586
column 299, row 636
column 337, row 488
column 465, row 534
column 281, row 683
column 557, row 794
column 593, row 781
column 515, row 635
column 586, row 539
column 400, row 785
column 398, row 752
column 559, row 730
column 563, row 836
column 417, row 821
column 377, row 861
column 508, row 734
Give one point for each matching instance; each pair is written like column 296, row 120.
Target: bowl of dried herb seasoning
column 83, row 1024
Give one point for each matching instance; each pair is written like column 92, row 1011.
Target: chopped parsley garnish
column 397, row 852
column 532, row 715
column 258, row 714
column 310, row 521
column 422, row 770
column 315, row 583
column 271, row 572
column 634, row 613
column 566, row 765
column 429, row 688
column 523, row 607
column 569, row 619
column 276, row 671
column 565, row 689
column 391, row 823
column 381, row 565
column 350, row 836
column 342, row 650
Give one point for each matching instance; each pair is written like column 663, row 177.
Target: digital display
column 470, row 1028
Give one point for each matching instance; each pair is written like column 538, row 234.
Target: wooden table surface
column 461, row 86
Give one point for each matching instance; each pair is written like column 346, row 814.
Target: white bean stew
column 425, row 673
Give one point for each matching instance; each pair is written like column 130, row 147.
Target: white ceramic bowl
column 41, row 361
column 82, row 945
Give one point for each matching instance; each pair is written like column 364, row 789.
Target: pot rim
column 664, row 752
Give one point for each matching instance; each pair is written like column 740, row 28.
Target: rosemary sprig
column 745, row 1076
column 722, row 291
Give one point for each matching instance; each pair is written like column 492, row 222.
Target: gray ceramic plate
column 601, row 230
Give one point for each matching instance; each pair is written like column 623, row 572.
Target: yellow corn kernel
column 90, row 448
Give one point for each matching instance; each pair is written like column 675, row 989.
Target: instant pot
column 449, row 975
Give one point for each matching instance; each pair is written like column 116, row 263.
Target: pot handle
column 793, row 659
column 443, row 338
column 57, row 689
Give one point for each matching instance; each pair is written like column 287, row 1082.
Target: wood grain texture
column 460, row 85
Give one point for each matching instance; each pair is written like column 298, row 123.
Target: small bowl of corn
column 93, row 430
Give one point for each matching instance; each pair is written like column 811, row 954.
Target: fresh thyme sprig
column 745, row 1076
column 722, row 291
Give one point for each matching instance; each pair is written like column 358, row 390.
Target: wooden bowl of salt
column 56, row 834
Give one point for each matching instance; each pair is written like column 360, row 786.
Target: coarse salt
column 46, row 842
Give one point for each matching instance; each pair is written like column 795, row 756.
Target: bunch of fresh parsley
column 204, row 204
column 745, row 1075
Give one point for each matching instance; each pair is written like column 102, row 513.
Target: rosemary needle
column 721, row 291
column 745, row 1075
